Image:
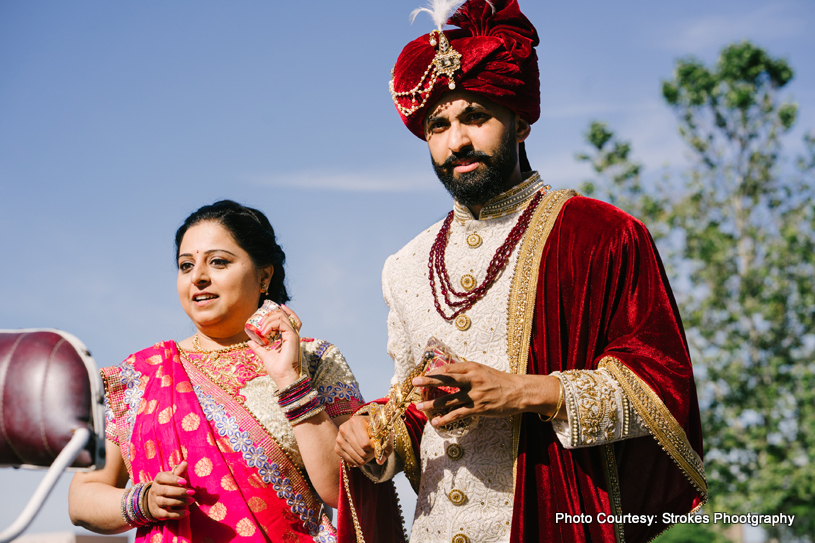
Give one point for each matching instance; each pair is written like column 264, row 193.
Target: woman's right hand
column 169, row 497
column 282, row 358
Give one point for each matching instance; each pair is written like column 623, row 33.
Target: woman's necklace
column 229, row 367
column 196, row 344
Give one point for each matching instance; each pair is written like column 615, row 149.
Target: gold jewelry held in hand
column 383, row 417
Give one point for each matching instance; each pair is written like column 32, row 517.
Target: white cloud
column 560, row 170
column 396, row 180
column 592, row 110
column 700, row 35
column 649, row 126
column 655, row 139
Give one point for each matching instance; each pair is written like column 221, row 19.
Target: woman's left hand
column 282, row 358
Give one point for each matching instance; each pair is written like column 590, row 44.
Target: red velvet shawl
column 602, row 300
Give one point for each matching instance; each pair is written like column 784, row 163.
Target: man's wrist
column 541, row 394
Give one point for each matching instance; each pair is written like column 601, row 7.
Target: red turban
column 498, row 61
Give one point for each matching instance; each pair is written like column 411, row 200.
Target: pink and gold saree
column 165, row 405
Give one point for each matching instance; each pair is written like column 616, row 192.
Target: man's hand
column 487, row 392
column 354, row 445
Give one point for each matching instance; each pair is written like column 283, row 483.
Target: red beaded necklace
column 499, row 260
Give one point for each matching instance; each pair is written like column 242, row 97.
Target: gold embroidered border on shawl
column 615, row 499
column 357, row 528
column 404, row 449
column 661, row 423
column 360, row 537
column 522, row 294
column 519, row 327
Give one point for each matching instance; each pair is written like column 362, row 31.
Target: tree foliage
column 744, row 226
column 619, row 177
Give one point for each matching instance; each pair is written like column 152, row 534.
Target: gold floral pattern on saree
column 203, row 467
column 154, row 360
column 245, row 528
column 165, row 415
column 257, row 504
column 217, row 512
column 190, row 422
column 183, row 386
column 228, row 484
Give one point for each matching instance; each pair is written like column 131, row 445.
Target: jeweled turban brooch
column 445, row 63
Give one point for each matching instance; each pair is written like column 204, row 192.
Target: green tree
column 619, row 178
column 620, row 175
column 745, row 231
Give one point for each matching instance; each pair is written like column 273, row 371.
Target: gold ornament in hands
column 383, row 417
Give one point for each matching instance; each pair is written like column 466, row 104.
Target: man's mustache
column 481, row 156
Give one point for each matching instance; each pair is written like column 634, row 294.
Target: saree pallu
column 247, row 487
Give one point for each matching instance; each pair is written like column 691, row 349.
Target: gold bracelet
column 559, row 404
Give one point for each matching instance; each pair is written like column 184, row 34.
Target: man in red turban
column 574, row 416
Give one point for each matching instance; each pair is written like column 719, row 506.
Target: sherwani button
column 474, row 240
column 454, row 451
column 467, row 282
column 457, row 497
column 461, row 538
column 463, row 322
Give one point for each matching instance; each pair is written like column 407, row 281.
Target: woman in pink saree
column 222, row 438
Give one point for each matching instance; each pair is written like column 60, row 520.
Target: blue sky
column 119, row 119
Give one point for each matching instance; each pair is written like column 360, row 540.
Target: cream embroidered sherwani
column 466, row 488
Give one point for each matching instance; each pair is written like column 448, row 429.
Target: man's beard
column 482, row 184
